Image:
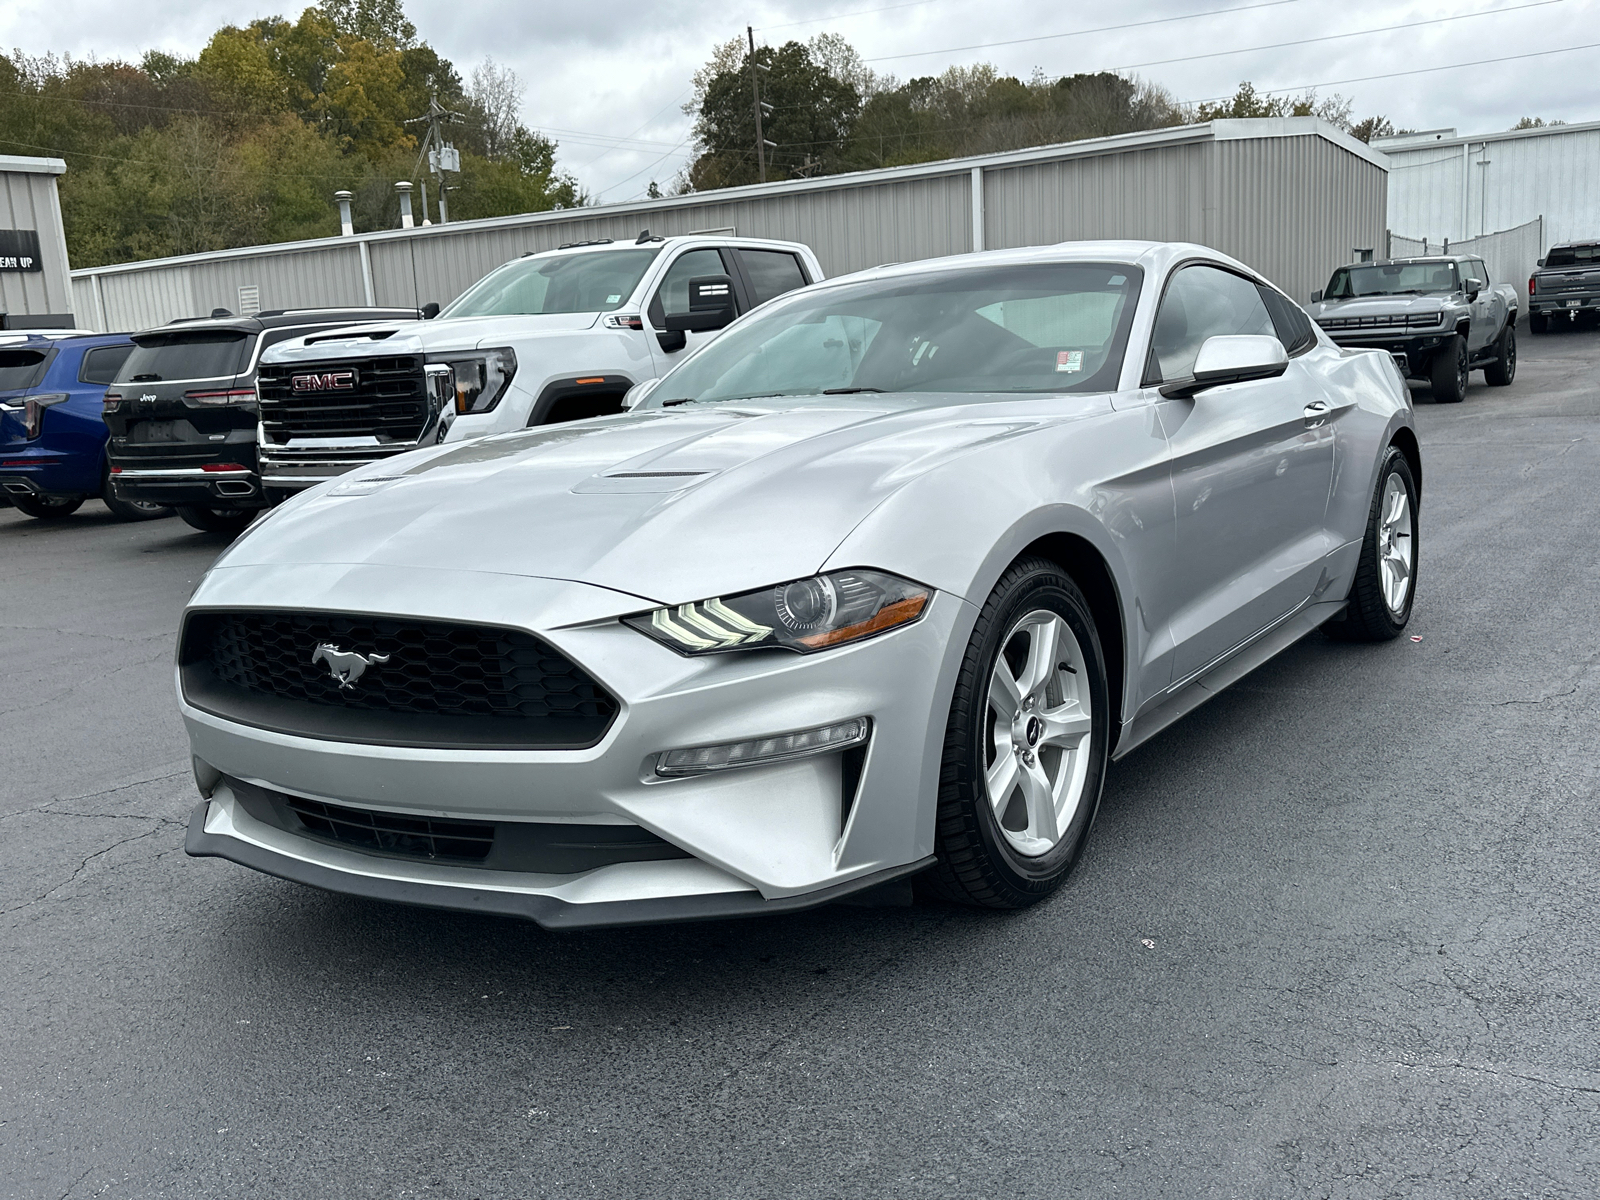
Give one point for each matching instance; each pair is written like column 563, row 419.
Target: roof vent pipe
column 404, row 189
column 346, row 229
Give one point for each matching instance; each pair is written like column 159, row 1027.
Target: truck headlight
column 804, row 615
column 479, row 380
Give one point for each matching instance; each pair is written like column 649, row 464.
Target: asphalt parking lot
column 1335, row 936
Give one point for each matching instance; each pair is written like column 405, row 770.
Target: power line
column 1479, row 62
column 1046, row 37
column 1332, row 37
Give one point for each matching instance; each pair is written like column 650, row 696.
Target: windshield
column 562, row 283
column 202, row 354
column 1574, row 256
column 1049, row 327
column 1393, row 279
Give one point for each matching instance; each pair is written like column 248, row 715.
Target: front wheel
column 1449, row 371
column 1503, row 369
column 46, row 508
column 1386, row 573
column 1025, row 746
column 216, row 520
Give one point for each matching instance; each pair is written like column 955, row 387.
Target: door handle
column 1316, row 411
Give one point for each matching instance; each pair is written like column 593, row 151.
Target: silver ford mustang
column 875, row 583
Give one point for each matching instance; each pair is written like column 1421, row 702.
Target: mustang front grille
column 388, row 400
column 417, row 837
column 390, row 681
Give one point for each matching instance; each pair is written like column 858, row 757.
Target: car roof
column 278, row 318
column 601, row 244
column 1150, row 257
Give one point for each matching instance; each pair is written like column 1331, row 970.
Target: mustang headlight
column 803, row 615
column 479, row 380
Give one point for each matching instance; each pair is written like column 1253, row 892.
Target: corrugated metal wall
column 1294, row 208
column 1438, row 190
column 28, row 201
column 1168, row 184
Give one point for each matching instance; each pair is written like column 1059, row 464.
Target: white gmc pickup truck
column 549, row 337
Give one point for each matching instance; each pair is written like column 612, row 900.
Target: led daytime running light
column 783, row 747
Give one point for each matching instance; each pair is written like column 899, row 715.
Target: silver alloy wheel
column 1396, row 546
column 1038, row 724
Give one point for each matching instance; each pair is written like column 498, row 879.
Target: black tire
column 131, row 510
column 977, row 864
column 1503, row 369
column 1536, row 323
column 1368, row 618
column 216, row 520
column 1449, row 371
column 47, row 508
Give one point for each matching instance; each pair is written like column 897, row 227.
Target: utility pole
column 441, row 155
column 761, row 106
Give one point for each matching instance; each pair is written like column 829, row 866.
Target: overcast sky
column 606, row 80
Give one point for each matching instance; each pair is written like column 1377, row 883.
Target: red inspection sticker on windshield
column 1069, row 360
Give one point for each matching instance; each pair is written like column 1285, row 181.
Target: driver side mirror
column 1316, row 296
column 1232, row 358
column 1541, row 262
column 710, row 306
column 1472, row 287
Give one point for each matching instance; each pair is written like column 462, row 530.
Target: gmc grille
column 389, row 402
column 418, row 683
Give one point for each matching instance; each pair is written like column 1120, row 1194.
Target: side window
column 1201, row 302
column 101, row 364
column 673, row 294
column 1293, row 326
column 772, row 273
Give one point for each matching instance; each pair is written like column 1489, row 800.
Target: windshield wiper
column 145, row 379
column 721, row 399
column 850, row 391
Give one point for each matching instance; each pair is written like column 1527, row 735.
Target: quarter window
column 101, row 364
column 673, row 295
column 772, row 273
column 1201, row 302
column 1293, row 326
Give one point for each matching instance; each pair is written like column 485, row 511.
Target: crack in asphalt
column 84, row 865
column 112, row 791
column 89, row 633
column 36, row 702
column 1461, row 1066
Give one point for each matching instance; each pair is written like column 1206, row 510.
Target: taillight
column 231, row 396
column 35, row 412
column 112, row 402
column 1533, row 284
column 223, row 467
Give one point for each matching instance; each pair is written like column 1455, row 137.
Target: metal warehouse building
column 1292, row 197
column 1443, row 186
column 34, row 289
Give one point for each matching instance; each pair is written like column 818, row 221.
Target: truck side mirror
column 1472, row 287
column 710, row 306
column 1316, row 296
column 430, row 310
column 1541, row 262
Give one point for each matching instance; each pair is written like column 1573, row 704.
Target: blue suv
column 52, row 428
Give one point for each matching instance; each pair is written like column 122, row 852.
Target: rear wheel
column 1386, row 573
column 131, row 510
column 1536, row 323
column 1503, row 369
column 216, row 520
column 1025, row 747
column 1449, row 371
column 47, row 508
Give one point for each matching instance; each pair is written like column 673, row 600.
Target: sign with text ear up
column 19, row 250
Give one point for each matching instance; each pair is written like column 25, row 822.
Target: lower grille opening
column 415, row 837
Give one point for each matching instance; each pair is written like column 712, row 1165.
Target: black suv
column 182, row 412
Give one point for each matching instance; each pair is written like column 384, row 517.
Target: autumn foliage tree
column 246, row 142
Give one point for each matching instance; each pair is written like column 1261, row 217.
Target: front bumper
column 293, row 468
column 761, row 838
column 1412, row 351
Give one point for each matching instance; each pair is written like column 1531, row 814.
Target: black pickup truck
column 183, row 416
column 1566, row 287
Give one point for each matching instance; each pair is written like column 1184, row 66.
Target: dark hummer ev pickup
column 1440, row 317
column 182, row 411
column 1566, row 287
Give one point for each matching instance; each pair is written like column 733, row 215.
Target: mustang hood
column 672, row 506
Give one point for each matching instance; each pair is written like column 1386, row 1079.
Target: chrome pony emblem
column 346, row 666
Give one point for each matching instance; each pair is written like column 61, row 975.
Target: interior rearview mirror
column 1316, row 296
column 1232, row 358
column 710, row 306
